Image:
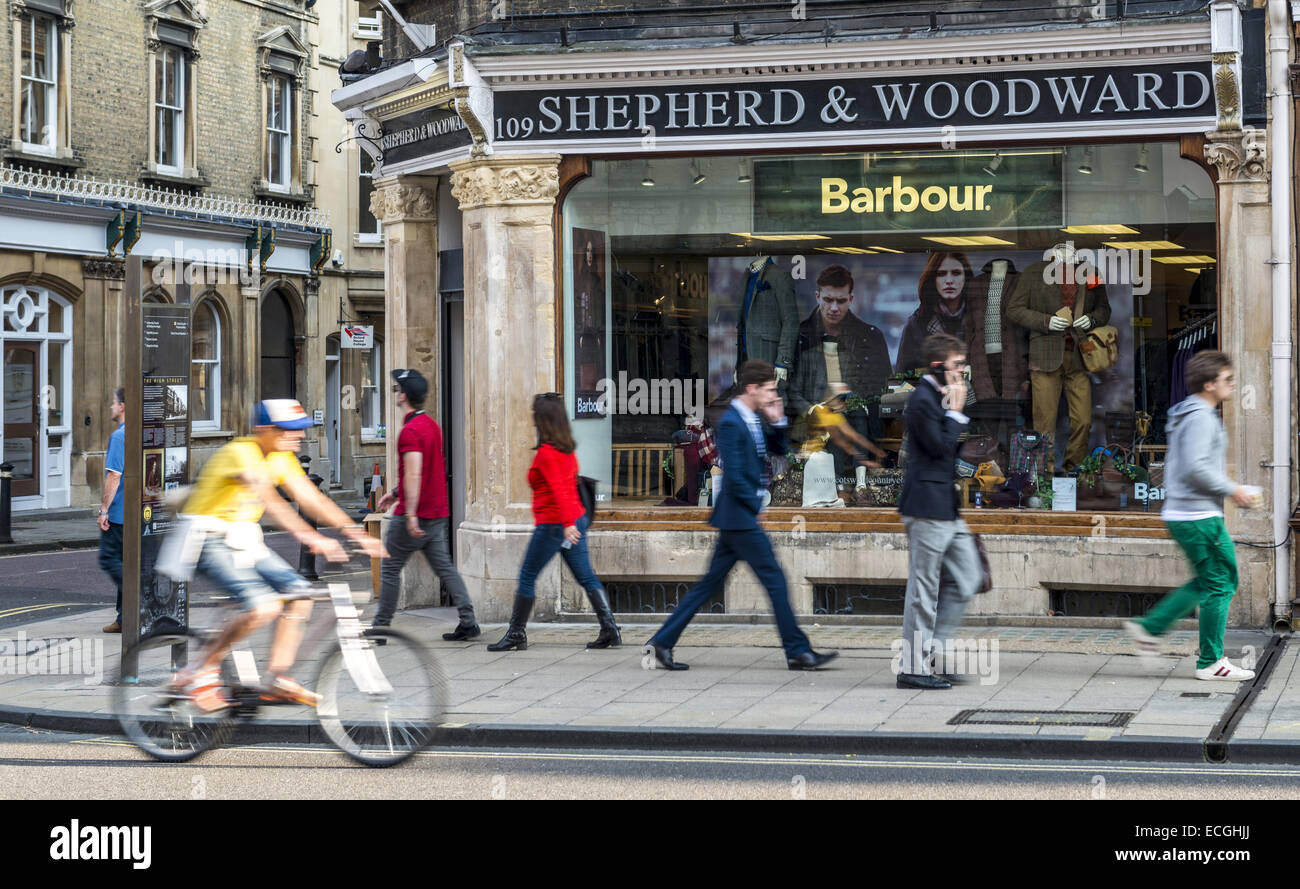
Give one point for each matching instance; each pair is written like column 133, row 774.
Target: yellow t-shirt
column 221, row 493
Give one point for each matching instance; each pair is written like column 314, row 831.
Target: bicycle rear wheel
column 380, row 704
column 161, row 721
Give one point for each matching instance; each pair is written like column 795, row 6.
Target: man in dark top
column 836, row 346
column 422, row 520
column 943, row 564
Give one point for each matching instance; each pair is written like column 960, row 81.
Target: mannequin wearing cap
column 423, row 520
column 236, row 486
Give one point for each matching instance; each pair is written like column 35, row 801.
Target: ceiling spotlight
column 1141, row 165
column 992, row 166
column 695, row 168
column 1086, row 166
column 648, row 180
column 743, row 175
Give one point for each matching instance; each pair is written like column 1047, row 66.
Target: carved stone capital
column 502, row 181
column 104, row 267
column 1238, row 155
column 401, row 201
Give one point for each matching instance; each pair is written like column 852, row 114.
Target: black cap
column 413, row 384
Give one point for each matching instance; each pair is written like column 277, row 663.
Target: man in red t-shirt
column 422, row 520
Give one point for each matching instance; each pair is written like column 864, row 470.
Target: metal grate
column 1102, row 603
column 655, row 596
column 1109, row 719
column 858, row 598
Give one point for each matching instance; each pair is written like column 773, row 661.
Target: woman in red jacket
column 561, row 527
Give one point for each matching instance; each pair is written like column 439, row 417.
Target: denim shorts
column 252, row 584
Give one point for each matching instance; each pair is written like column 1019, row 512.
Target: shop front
column 635, row 225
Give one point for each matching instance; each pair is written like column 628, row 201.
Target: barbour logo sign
column 902, row 198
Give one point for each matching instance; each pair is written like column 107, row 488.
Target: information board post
column 157, row 453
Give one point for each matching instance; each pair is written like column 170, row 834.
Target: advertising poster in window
column 588, row 320
column 165, row 424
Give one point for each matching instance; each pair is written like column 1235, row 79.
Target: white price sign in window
column 358, row 336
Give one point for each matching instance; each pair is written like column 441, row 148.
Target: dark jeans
column 734, row 546
column 435, row 544
column 546, row 541
column 110, row 559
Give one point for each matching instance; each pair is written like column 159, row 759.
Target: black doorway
column 279, row 365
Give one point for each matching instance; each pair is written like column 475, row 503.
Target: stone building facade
column 690, row 148
column 182, row 133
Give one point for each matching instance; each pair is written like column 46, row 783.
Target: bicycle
column 379, row 714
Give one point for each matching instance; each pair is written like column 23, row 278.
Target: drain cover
column 1110, row 719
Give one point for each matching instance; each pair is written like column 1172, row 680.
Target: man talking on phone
column 943, row 564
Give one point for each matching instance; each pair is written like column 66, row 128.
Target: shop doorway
column 36, row 344
column 279, row 364
column 332, row 402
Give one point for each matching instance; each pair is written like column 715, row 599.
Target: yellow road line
column 26, row 609
column 802, row 760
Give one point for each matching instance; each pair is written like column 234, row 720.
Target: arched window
column 205, row 374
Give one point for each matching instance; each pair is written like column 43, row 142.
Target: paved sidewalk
column 739, row 695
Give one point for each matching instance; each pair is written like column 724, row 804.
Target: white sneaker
column 1222, row 669
column 1147, row 645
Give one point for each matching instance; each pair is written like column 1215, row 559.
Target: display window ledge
column 860, row 520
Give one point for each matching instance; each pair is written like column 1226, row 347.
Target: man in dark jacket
column 943, row 564
column 836, row 346
column 746, row 434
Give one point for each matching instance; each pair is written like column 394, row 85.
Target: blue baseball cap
column 285, row 413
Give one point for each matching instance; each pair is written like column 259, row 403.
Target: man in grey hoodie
column 1195, row 485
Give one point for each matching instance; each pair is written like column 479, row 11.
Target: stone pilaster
column 1245, row 333
column 408, row 209
column 510, row 322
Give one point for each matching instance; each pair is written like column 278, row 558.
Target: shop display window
column 835, row 267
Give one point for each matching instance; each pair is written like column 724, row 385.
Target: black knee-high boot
column 515, row 638
column 609, row 636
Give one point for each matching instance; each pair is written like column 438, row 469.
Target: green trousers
column 1214, row 558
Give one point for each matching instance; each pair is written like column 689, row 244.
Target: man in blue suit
column 744, row 441
column 943, row 564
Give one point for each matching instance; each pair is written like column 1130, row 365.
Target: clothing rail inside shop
column 1198, row 330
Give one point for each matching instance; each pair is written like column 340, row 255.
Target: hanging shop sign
column 420, row 133
column 918, row 192
column 358, row 336
column 893, row 102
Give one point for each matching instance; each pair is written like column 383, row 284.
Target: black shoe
column 463, row 632
column 609, row 636
column 811, row 660
column 664, row 656
column 377, row 640
column 515, row 638
column 921, row 680
column 956, row 678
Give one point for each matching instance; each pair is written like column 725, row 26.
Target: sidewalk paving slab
column 740, row 696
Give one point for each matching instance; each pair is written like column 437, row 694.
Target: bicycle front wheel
column 160, row 720
column 382, row 696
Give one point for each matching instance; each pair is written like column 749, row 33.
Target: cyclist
column 220, row 538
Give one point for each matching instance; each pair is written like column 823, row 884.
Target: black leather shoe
column 921, row 680
column 956, row 678
column 463, row 632
column 811, row 660
column 664, row 656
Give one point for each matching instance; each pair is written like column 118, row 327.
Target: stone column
column 1245, row 307
column 249, row 326
column 407, row 207
column 510, row 322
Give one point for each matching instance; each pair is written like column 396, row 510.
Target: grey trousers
column 943, row 573
column 437, row 550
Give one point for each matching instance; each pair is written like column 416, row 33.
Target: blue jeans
column 251, row 585
column 110, row 559
column 545, row 543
